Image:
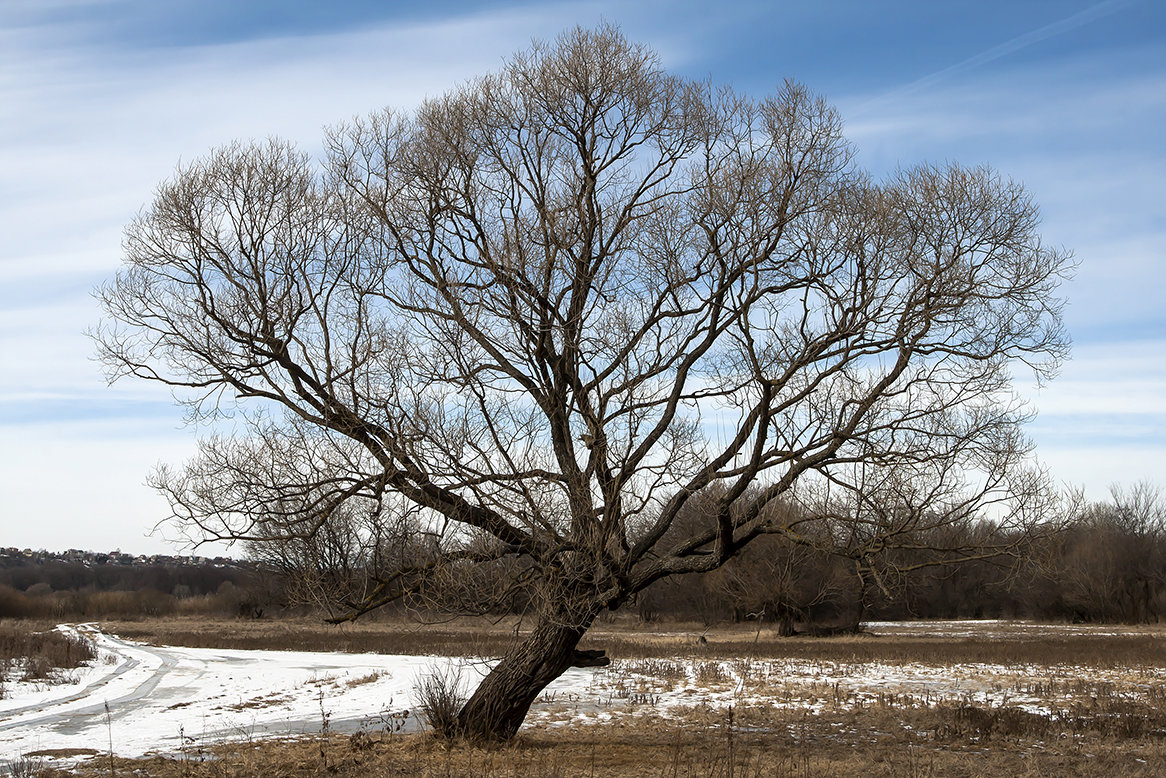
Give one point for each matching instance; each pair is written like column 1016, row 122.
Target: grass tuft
column 439, row 697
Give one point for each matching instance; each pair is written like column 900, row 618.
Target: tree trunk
column 855, row 626
column 500, row 703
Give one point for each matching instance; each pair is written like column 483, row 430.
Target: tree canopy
column 530, row 320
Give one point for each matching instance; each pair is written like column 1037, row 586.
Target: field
column 911, row 699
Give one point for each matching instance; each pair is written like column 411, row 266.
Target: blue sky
column 100, row 100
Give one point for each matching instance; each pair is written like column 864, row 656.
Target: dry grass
column 627, row 639
column 467, row 637
column 439, row 699
column 32, row 651
column 869, row 743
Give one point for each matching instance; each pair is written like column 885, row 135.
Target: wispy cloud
column 1083, row 137
column 86, row 132
column 1011, row 46
column 1103, row 420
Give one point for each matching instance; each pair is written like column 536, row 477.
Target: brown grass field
column 1104, row 706
column 1101, row 645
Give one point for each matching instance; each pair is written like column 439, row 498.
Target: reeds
column 31, row 654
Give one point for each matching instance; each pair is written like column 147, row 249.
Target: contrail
column 1078, row 19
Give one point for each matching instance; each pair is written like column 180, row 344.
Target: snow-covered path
column 146, row 698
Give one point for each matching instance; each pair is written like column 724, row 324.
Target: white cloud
column 1096, row 467
column 1103, row 420
column 1107, row 380
column 87, row 132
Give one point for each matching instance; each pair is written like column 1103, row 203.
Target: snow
column 1000, row 629
column 144, row 699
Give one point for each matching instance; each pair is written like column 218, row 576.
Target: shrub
column 438, row 694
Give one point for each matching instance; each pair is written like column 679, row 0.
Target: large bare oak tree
column 529, row 321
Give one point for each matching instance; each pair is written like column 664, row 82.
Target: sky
column 100, row 100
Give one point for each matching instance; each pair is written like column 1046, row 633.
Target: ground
column 938, row 698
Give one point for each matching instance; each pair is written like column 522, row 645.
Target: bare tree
column 343, row 560
column 1111, row 561
column 780, row 581
column 553, row 305
column 932, row 510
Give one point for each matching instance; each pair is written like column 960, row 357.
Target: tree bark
column 500, row 703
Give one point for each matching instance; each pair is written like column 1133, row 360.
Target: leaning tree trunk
column 500, row 703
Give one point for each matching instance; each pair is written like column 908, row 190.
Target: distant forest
column 1108, row 564
column 86, row 585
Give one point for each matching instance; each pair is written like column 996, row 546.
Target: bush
column 439, row 696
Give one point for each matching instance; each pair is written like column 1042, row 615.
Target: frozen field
column 143, row 699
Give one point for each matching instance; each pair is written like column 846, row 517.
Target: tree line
column 1099, row 562
column 1106, row 562
column 54, row 588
